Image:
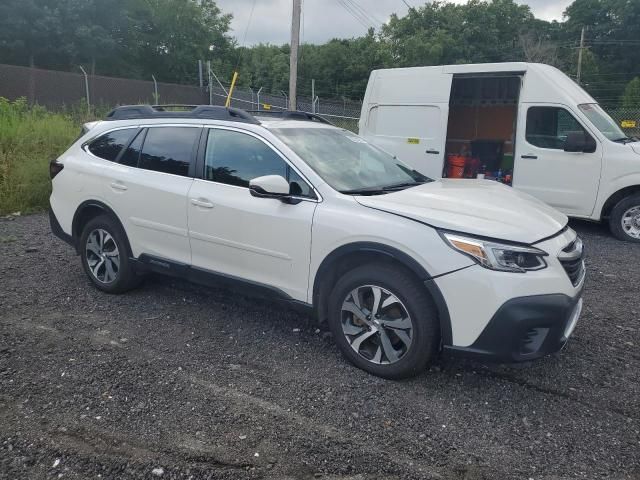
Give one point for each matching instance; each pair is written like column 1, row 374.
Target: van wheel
column 624, row 220
column 384, row 321
column 105, row 256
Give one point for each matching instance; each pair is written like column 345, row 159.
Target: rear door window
column 109, row 145
column 169, row 149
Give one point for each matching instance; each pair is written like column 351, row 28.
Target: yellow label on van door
column 628, row 124
column 413, row 141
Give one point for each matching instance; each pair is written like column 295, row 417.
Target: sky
column 323, row 20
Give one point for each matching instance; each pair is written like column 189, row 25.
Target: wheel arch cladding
column 346, row 257
column 88, row 210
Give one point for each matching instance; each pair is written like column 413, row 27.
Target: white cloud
column 326, row 19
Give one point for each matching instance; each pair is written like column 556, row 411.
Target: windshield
column 602, row 121
column 347, row 162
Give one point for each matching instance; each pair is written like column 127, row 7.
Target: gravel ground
column 179, row 381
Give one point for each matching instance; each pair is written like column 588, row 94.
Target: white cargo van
column 525, row 124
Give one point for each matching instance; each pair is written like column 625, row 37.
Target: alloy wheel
column 631, row 222
column 103, row 257
column 376, row 324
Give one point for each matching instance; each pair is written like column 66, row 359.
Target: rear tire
column 624, row 220
column 105, row 255
column 399, row 337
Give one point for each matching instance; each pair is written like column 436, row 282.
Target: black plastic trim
column 208, row 112
column 95, row 204
column 444, row 318
column 57, row 230
column 292, row 115
column 150, row 263
column 393, row 253
column 501, row 339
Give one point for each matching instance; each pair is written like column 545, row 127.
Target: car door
column 262, row 240
column 148, row 190
column 566, row 180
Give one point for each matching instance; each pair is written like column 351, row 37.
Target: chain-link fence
column 628, row 119
column 98, row 94
column 63, row 90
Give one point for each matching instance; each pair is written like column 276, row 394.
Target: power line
column 354, row 14
column 365, row 14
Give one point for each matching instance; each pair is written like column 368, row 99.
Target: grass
column 30, row 136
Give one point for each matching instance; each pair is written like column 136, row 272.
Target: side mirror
column 269, row 186
column 579, row 142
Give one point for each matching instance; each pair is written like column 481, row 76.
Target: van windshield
column 602, row 121
column 347, row 162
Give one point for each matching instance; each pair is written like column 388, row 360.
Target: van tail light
column 55, row 168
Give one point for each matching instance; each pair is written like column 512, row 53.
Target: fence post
column 286, row 99
column 259, row 90
column 155, row 90
column 86, row 88
column 209, row 82
column 313, row 95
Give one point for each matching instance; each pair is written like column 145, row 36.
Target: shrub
column 30, row 136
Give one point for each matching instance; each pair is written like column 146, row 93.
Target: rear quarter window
column 109, row 145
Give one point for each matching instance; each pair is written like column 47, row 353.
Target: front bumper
column 526, row 328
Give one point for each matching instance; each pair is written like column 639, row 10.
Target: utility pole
column 579, row 73
column 293, row 62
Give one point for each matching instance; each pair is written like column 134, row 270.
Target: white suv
column 400, row 266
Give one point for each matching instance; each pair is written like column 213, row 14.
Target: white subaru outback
column 400, row 266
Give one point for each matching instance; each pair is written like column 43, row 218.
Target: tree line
column 166, row 38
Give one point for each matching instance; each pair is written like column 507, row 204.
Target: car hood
column 478, row 207
column 636, row 147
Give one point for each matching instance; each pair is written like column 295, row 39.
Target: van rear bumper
column 525, row 328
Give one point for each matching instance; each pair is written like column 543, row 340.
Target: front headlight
column 498, row 256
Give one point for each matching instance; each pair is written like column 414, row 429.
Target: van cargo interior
column 482, row 126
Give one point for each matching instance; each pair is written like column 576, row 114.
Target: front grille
column 572, row 259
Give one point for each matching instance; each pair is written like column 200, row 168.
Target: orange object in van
column 455, row 166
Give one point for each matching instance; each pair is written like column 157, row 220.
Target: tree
column 631, row 95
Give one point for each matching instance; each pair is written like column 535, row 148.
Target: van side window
column 235, row 158
column 547, row 127
column 109, row 145
column 169, row 149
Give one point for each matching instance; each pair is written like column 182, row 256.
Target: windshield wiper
column 365, row 191
column 401, row 186
column 623, row 140
column 381, row 190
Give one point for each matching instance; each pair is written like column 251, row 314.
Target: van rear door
column 405, row 112
column 413, row 133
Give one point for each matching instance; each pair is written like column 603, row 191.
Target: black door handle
column 533, row 157
column 435, row 152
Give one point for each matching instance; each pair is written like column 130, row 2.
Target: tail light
column 55, row 168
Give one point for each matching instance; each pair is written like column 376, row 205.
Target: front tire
column 105, row 256
column 384, row 321
column 624, row 220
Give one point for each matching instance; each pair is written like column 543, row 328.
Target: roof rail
column 209, row 112
column 292, row 115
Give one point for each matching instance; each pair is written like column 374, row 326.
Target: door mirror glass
column 579, row 142
column 269, row 186
column 575, row 142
